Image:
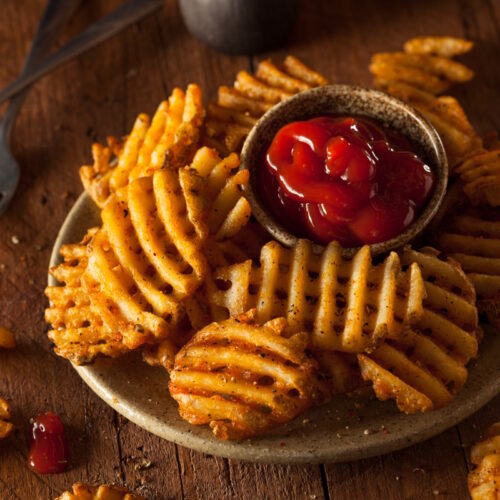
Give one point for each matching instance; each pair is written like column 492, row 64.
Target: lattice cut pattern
column 423, row 367
column 169, row 140
column 86, row 323
column 243, row 378
column 347, row 305
column 422, row 72
column 472, row 237
column 480, row 175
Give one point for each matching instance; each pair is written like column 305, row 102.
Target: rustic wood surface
column 100, row 93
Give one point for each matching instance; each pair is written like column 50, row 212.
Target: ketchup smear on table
column 49, row 450
column 343, row 178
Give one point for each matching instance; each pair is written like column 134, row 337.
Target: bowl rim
column 283, row 235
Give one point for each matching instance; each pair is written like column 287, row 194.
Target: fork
column 37, row 65
column 55, row 15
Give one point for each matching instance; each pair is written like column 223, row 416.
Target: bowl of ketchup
column 348, row 164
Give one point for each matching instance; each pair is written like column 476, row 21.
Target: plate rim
column 254, row 453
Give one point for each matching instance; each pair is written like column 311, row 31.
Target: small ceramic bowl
column 348, row 100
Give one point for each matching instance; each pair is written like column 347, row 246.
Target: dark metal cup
column 239, row 26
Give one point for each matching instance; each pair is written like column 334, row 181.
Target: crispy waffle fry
column 102, row 492
column 237, row 109
column 6, row 427
column 484, row 480
column 416, row 76
column 146, row 260
column 85, row 323
column 7, row 339
column 243, row 379
column 472, row 237
column 157, row 225
column 348, row 305
column 424, row 367
column 480, row 175
column 169, row 139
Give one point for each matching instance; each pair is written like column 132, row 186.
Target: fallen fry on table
column 7, row 339
column 6, row 427
column 82, row 491
column 484, row 479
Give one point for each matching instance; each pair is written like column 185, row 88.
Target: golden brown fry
column 127, row 286
column 484, row 480
column 423, row 367
column 390, row 72
column 7, row 339
column 102, row 492
column 85, row 323
column 434, row 65
column 472, row 237
column 230, row 119
column 243, row 379
column 348, row 305
column 480, row 175
column 6, row 427
column 416, row 76
column 169, row 140
column 445, row 46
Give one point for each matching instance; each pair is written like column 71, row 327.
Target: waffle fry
column 484, row 480
column 237, row 109
column 480, row 175
column 85, row 323
column 6, row 427
column 7, row 339
column 417, row 76
column 424, row 367
column 347, row 305
column 157, row 225
column 243, row 379
column 102, row 492
column 472, row 237
column 168, row 140
column 146, row 260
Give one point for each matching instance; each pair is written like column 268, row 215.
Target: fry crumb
column 15, row 239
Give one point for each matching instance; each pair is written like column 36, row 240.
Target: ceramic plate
column 331, row 433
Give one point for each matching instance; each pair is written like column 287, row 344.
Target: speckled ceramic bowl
column 348, row 100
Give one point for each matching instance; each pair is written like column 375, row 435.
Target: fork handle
column 104, row 28
column 55, row 15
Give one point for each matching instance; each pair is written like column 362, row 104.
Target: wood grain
column 100, row 93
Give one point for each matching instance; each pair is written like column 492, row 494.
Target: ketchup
column 343, row 178
column 49, row 451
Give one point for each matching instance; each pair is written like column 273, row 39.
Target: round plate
column 331, row 433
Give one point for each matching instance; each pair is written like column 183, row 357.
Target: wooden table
column 100, row 93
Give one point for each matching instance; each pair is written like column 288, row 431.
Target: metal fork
column 55, row 15
column 37, row 65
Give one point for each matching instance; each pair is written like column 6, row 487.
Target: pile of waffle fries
column 252, row 333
